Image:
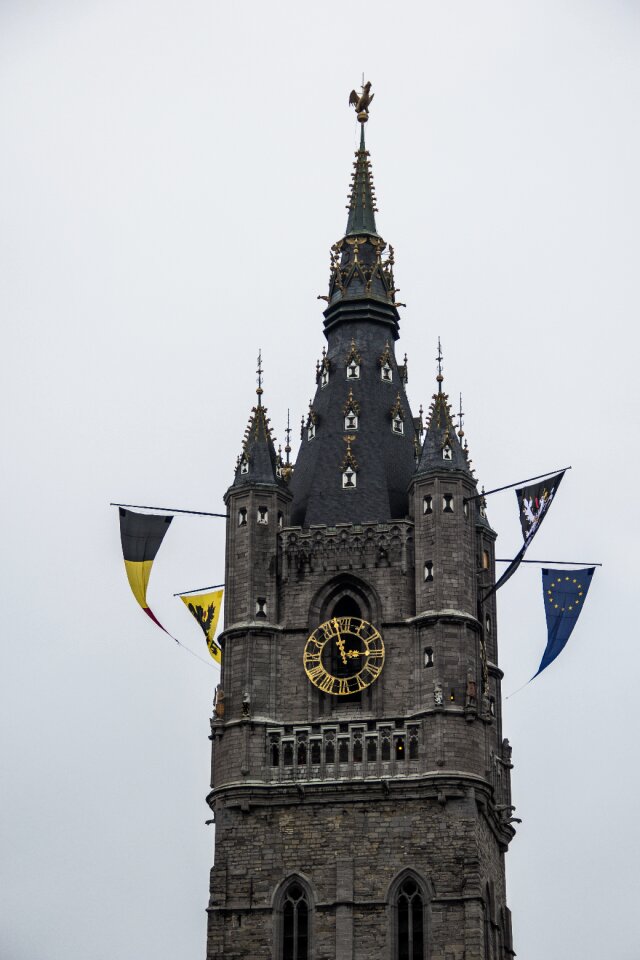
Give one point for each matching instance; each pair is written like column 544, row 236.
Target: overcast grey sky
column 172, row 176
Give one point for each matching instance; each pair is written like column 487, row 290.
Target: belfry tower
column 360, row 782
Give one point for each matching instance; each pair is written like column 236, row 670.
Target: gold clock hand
column 340, row 642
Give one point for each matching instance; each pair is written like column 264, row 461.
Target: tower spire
column 362, row 199
column 362, row 284
column 259, row 389
column 439, row 360
column 258, row 461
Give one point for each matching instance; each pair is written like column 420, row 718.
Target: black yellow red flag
column 141, row 535
column 205, row 607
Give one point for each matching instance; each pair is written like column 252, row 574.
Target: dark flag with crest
column 564, row 596
column 533, row 503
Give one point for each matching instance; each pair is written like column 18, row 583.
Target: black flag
column 533, row 503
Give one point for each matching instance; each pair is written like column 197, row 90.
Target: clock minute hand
column 340, row 642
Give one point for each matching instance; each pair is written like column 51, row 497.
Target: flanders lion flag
column 141, row 535
column 206, row 608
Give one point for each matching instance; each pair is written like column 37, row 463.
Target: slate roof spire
column 258, row 462
column 358, row 450
column 362, row 201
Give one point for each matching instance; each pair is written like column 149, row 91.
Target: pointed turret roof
column 442, row 449
column 258, row 462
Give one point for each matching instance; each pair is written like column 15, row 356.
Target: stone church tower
column 360, row 782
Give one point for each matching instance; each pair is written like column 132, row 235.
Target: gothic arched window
column 409, row 932
column 295, row 923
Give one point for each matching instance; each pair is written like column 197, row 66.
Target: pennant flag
column 564, row 596
column 533, row 503
column 206, row 609
column 141, row 535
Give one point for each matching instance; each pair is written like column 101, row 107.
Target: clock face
column 343, row 656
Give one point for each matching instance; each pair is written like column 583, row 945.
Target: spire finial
column 287, row 446
column 259, row 390
column 460, row 420
column 439, row 378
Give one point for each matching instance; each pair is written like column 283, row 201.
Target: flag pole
column 560, row 563
column 508, row 486
column 184, row 593
column 139, row 506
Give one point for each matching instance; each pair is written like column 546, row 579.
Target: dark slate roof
column 441, row 432
column 362, row 200
column 385, row 460
column 258, row 451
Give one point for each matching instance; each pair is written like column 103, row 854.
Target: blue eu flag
column 564, row 596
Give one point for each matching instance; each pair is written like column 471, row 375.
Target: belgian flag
column 141, row 535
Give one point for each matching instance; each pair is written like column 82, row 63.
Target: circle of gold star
column 558, row 583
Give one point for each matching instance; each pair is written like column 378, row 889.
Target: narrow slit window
column 386, row 373
column 242, row 517
column 274, row 750
column 316, row 752
column 244, row 466
column 343, row 750
column 372, row 749
column 487, row 624
column 351, row 420
column 295, row 924
column 311, row 430
column 385, row 744
column 409, row 922
column 287, row 753
column 357, row 747
column 465, row 509
column 428, row 571
column 261, row 607
column 447, row 453
column 486, row 560
column 349, row 479
column 324, row 377
column 447, row 502
column 413, row 743
column 280, row 519
column 302, row 750
column 427, row 504
column 428, row 656
column 263, row 515
column 398, row 424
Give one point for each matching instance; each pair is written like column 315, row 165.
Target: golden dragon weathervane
column 362, row 101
